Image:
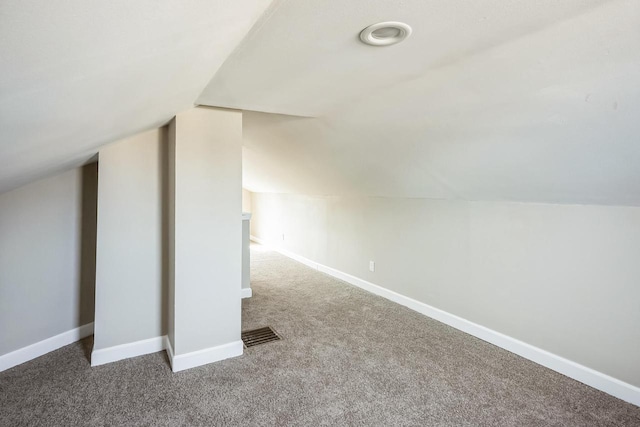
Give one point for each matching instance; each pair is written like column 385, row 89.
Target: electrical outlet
column 372, row 266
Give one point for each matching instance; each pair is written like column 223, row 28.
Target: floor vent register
column 259, row 336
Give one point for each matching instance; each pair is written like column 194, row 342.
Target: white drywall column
column 205, row 161
column 130, row 289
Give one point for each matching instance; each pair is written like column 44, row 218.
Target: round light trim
column 385, row 33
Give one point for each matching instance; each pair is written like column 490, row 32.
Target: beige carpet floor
column 347, row 358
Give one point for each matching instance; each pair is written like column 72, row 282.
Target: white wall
column 246, row 200
column 130, row 284
column 563, row 278
column 207, row 150
column 170, row 228
column 47, row 258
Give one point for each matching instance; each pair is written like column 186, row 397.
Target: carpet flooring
column 347, row 358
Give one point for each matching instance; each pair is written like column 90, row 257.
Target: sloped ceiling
column 487, row 100
column 77, row 74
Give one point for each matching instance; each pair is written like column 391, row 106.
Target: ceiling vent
column 385, row 33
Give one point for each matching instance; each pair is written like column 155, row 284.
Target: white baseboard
column 38, row 349
column 202, row 357
column 153, row 345
column 246, row 293
column 285, row 252
column 126, row 351
column 588, row 376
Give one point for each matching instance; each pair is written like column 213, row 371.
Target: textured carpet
column 347, row 358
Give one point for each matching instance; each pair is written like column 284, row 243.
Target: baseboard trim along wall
column 588, row 376
column 43, row 347
column 202, row 357
column 126, row 351
column 246, row 293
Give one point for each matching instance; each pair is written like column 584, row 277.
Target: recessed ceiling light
column 385, row 33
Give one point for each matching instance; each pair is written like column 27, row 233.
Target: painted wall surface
column 246, row 200
column 208, row 204
column 47, row 257
column 170, row 211
column 246, row 233
column 246, row 253
column 563, row 278
column 130, row 288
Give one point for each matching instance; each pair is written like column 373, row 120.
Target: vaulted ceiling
column 78, row 74
column 487, row 100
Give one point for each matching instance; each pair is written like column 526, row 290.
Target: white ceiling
column 77, row 74
column 488, row 100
